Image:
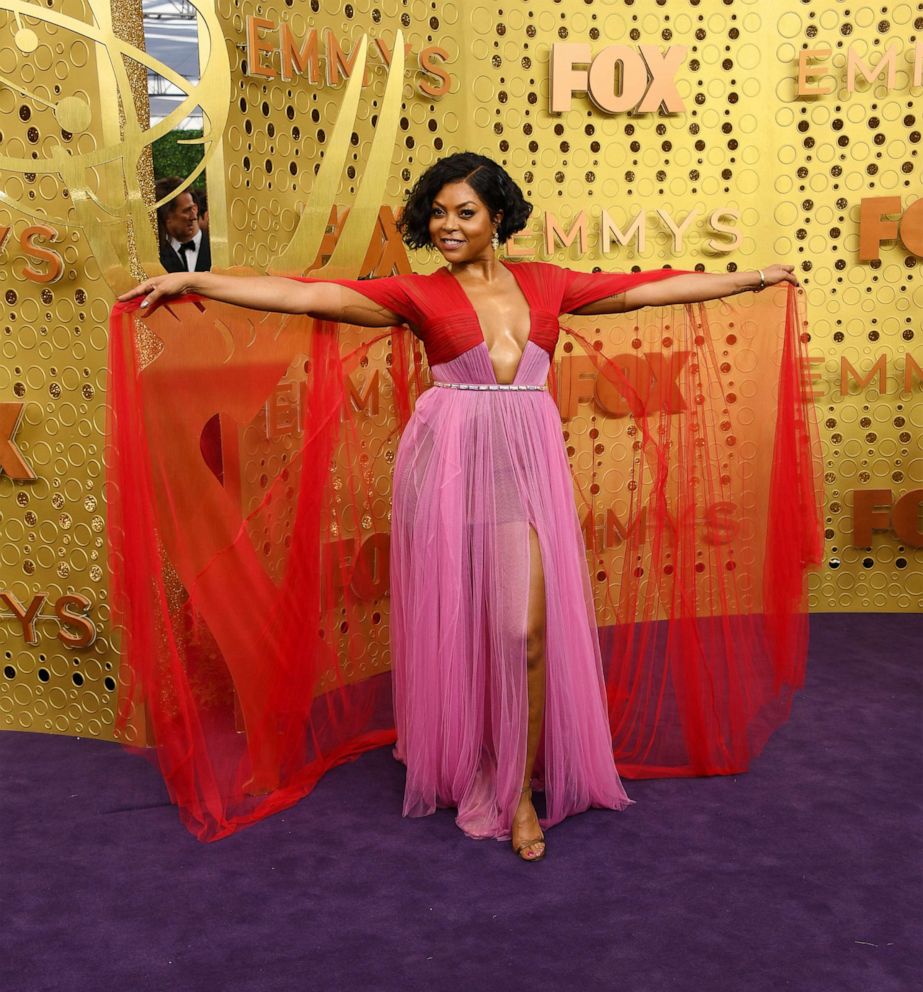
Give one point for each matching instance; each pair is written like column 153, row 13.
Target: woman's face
column 460, row 224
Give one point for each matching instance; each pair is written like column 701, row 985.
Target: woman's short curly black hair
column 489, row 180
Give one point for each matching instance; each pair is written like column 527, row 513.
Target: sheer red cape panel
column 249, row 467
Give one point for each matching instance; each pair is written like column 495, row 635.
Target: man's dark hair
column 488, row 179
column 162, row 190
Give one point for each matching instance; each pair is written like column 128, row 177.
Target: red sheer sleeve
column 251, row 592
column 251, row 595
column 400, row 294
column 579, row 289
column 697, row 472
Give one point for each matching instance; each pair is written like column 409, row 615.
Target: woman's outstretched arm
column 323, row 300
column 691, row 288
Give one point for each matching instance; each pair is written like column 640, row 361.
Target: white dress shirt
column 191, row 255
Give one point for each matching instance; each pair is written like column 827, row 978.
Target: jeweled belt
column 478, row 386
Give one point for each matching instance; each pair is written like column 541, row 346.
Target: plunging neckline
column 473, row 310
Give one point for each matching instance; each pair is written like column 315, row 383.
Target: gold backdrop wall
column 715, row 135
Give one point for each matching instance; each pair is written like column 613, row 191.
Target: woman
column 497, row 675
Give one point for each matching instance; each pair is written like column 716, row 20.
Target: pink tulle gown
column 479, row 464
column 476, row 469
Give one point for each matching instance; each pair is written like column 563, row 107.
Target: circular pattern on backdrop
column 795, row 169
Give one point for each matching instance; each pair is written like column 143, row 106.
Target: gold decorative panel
column 694, row 133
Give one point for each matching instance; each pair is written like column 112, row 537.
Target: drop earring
column 495, row 240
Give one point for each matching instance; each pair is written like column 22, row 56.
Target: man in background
column 183, row 244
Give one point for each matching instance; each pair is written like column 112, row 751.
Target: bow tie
column 187, row 246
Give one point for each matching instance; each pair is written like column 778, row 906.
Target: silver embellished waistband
column 478, row 386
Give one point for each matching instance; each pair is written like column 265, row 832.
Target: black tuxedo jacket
column 173, row 262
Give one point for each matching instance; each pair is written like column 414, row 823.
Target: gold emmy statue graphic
column 104, row 190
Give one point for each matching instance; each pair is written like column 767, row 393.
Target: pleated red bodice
column 440, row 313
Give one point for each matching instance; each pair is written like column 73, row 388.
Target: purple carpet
column 802, row 875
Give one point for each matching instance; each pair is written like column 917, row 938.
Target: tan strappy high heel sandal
column 535, row 840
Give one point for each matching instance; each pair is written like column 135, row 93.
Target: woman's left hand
column 773, row 274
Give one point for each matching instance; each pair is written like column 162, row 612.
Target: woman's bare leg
column 525, row 819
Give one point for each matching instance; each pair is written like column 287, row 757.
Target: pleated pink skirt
column 475, row 471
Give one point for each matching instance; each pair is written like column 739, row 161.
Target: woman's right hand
column 158, row 288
